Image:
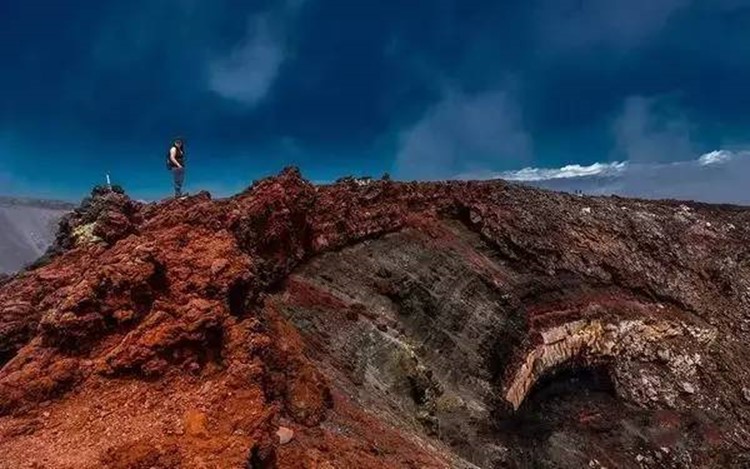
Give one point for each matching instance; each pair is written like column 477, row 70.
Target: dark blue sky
column 424, row 89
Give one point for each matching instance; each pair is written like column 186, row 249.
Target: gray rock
column 688, row 388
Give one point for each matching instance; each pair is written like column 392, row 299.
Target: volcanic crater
column 372, row 323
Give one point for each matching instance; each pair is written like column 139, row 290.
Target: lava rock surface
column 382, row 324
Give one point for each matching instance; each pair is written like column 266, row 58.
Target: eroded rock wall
column 413, row 350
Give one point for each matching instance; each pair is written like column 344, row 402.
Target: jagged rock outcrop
column 384, row 324
column 107, row 215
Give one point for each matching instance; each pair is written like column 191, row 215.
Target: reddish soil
column 167, row 338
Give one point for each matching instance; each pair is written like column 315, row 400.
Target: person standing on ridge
column 176, row 164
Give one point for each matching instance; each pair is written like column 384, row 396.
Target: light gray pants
column 178, row 174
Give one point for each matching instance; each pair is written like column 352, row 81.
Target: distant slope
column 27, row 228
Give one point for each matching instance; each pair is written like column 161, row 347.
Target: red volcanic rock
column 107, row 216
column 385, row 324
column 112, row 226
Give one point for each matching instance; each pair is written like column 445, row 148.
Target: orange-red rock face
column 386, row 325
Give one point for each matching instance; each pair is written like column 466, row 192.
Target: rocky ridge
column 193, row 333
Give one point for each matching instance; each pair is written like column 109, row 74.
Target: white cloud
column 569, row 171
column 464, row 133
column 715, row 157
column 248, row 71
column 646, row 132
column 616, row 168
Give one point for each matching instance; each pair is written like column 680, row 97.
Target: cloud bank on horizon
column 719, row 176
